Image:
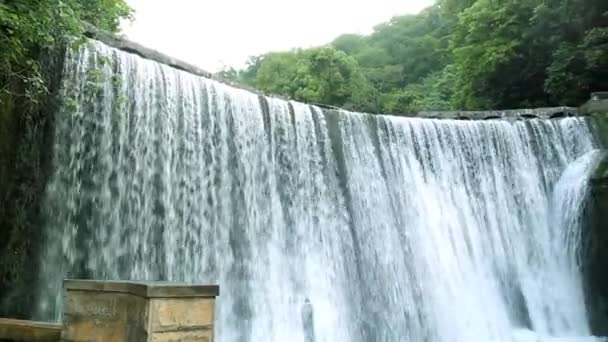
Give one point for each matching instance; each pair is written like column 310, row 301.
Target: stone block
column 184, row 336
column 81, row 330
column 93, row 304
column 181, row 313
column 100, row 311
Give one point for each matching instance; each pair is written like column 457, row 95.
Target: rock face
column 596, row 233
column 595, row 269
column 24, row 143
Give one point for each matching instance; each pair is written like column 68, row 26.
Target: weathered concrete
column 138, row 311
column 18, row 330
column 535, row 113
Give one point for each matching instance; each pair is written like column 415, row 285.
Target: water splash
column 346, row 226
column 568, row 202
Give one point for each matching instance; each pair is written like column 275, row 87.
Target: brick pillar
column 113, row 311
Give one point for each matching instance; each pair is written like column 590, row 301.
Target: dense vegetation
column 457, row 54
column 29, row 28
column 32, row 35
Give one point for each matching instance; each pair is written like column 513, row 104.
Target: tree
column 526, row 53
column 465, row 54
column 487, row 42
column 350, row 43
column 28, row 28
column 276, row 73
column 321, row 75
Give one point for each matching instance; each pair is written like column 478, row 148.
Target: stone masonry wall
column 99, row 311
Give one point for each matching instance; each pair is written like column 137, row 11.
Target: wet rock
column 596, row 277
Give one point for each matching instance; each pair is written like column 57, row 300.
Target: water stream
column 321, row 224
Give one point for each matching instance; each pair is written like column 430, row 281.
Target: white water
column 395, row 229
column 569, row 197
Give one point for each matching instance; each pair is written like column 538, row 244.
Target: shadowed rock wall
column 24, row 143
column 597, row 218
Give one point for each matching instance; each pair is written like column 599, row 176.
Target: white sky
column 216, row 33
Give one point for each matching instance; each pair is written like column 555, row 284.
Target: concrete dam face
column 318, row 224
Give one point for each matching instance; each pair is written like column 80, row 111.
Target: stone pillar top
column 145, row 289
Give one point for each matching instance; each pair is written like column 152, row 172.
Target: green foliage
column 577, row 69
column 229, row 74
column 460, row 54
column 350, row 43
column 320, row 75
column 432, row 93
column 567, row 74
column 29, row 28
column 487, row 36
column 277, row 72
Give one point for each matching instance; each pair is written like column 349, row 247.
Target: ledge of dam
column 129, row 46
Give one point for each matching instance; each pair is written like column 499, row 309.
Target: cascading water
column 569, row 199
column 367, row 228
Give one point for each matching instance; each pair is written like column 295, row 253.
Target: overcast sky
column 217, row 33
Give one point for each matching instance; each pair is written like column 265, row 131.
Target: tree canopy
column 30, row 27
column 456, row 54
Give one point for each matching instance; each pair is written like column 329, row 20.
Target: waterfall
column 569, row 199
column 317, row 224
